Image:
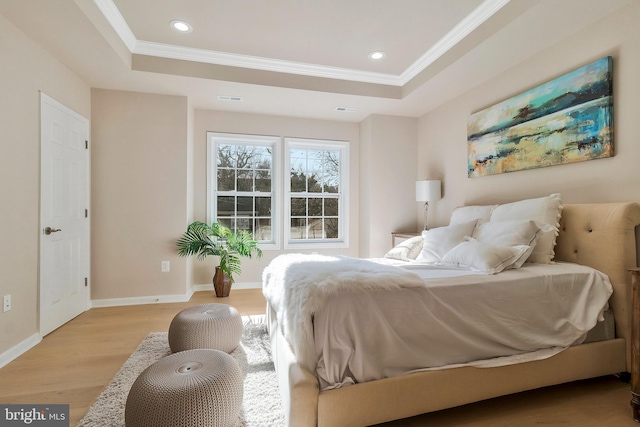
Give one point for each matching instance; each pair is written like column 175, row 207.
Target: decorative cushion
column 469, row 213
column 407, row 250
column 191, row 388
column 544, row 210
column 483, row 257
column 544, row 251
column 510, row 233
column 215, row 326
column 507, row 233
column 439, row 241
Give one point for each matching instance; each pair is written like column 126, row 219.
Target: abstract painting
column 566, row 120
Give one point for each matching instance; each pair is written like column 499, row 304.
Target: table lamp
column 427, row 191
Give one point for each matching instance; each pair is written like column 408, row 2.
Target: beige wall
column 364, row 193
column 256, row 124
column 387, row 179
column 26, row 69
column 139, row 193
column 443, row 150
column 190, row 188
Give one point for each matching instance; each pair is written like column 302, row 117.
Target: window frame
column 343, row 194
column 274, row 142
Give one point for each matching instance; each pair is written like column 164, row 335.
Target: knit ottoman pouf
column 214, row 326
column 193, row 388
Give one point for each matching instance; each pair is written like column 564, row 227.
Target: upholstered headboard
column 603, row 236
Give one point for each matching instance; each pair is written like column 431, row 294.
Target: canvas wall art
column 566, row 120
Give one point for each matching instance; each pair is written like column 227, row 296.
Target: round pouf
column 214, row 326
column 193, row 388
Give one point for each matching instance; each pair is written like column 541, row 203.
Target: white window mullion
column 245, row 147
column 311, row 156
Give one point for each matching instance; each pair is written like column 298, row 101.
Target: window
column 316, row 193
column 243, row 186
column 247, row 181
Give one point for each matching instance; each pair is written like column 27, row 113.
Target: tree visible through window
column 244, row 186
column 315, row 190
column 247, row 182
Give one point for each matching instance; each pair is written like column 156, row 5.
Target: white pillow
column 510, row 233
column 483, row 257
column 439, row 241
column 544, row 210
column 406, row 250
column 469, row 213
column 541, row 253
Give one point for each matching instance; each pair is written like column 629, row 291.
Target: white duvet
column 352, row 320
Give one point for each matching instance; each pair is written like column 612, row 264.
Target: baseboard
column 18, row 350
column 243, row 285
column 160, row 299
column 150, row 299
column 200, row 288
column 247, row 285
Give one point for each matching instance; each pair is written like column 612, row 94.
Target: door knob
column 50, row 230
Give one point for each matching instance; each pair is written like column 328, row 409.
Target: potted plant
column 202, row 240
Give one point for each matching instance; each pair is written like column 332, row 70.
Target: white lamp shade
column 428, row 191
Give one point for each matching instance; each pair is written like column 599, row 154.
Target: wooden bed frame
column 602, row 236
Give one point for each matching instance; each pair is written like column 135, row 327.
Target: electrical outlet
column 166, row 266
column 6, row 304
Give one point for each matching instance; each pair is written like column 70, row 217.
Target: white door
column 64, row 222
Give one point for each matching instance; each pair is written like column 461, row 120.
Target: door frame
column 44, row 98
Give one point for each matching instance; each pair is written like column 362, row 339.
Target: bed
column 601, row 236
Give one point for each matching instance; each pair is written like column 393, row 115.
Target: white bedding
column 383, row 321
column 296, row 286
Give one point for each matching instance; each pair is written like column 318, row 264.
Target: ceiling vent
column 346, row 109
column 229, row 98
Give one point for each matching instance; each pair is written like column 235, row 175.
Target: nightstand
column 401, row 236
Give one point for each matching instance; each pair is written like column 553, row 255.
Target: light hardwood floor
column 74, row 363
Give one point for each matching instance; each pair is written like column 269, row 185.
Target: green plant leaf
column 228, row 245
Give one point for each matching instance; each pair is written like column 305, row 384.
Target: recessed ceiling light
column 181, row 26
column 377, row 55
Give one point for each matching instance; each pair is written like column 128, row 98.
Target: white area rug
column 262, row 405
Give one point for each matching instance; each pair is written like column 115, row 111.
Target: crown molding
column 477, row 17
column 115, row 18
column 472, row 21
column 258, row 63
